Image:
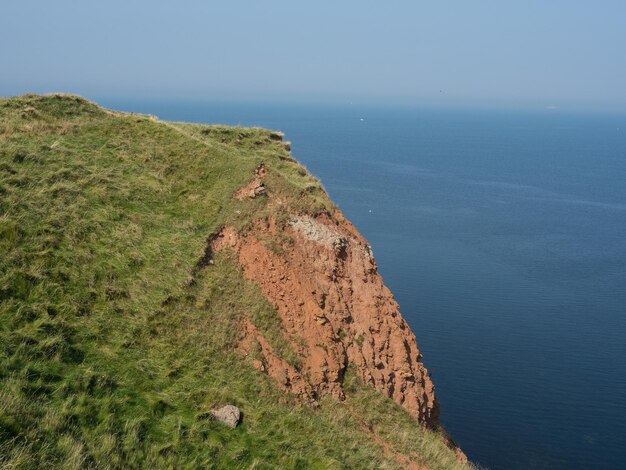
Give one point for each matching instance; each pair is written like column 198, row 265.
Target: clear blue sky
column 566, row 53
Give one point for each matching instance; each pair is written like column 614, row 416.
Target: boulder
column 229, row 415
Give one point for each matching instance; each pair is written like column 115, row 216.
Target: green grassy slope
column 115, row 342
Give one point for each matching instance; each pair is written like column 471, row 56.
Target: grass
column 114, row 343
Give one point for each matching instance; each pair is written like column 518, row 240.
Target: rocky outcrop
column 335, row 310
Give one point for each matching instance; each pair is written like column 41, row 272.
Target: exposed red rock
column 335, row 309
column 255, row 187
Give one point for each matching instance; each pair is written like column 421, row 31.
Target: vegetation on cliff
column 119, row 328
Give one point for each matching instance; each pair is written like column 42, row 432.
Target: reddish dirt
column 285, row 375
column 255, row 187
column 335, row 309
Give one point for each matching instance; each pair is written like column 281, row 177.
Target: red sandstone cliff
column 322, row 279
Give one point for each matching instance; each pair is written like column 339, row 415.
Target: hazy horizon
column 531, row 55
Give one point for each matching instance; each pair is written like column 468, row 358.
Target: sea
column 502, row 234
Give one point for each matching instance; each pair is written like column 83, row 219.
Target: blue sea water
column 502, row 235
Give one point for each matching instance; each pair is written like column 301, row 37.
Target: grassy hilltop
column 116, row 341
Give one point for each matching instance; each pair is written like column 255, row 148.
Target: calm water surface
column 503, row 237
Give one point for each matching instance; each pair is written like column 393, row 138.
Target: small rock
column 229, row 415
column 260, row 170
column 258, row 190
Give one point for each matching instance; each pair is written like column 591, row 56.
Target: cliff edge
column 184, row 295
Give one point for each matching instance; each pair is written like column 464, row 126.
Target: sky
column 531, row 53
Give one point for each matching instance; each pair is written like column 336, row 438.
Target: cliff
column 153, row 271
column 322, row 280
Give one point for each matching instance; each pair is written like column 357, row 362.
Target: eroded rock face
column 335, row 310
